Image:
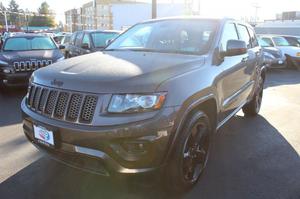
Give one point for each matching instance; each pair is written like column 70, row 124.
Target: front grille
column 22, row 66
column 62, row 105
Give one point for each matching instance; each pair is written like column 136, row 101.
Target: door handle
column 245, row 59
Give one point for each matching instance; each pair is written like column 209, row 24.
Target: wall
column 126, row 15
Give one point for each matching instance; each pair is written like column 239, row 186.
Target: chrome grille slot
column 63, row 105
column 74, row 107
column 88, row 109
column 43, row 99
column 36, row 97
column 51, row 102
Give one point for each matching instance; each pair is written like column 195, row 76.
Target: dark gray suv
column 151, row 101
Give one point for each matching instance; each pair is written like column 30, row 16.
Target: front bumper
column 15, row 79
column 133, row 148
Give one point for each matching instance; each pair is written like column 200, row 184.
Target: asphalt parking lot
column 251, row 158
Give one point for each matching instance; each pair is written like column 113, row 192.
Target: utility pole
column 6, row 25
column 154, row 9
column 256, row 6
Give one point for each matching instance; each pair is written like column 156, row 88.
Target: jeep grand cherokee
column 152, row 103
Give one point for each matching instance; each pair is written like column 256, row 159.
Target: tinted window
column 34, row 43
column 244, row 35
column 100, row 39
column 86, row 40
column 172, row 36
column 78, row 38
column 73, row 38
column 253, row 37
column 263, row 43
column 268, row 41
column 280, row 41
column 229, row 33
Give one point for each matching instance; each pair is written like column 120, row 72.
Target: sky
column 214, row 8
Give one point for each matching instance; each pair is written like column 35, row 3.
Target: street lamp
column 154, row 9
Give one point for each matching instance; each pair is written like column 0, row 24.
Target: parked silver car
column 292, row 53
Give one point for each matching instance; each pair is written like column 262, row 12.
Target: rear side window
column 229, row 33
column 78, row 38
column 244, row 35
column 253, row 38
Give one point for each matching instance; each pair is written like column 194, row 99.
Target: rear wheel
column 253, row 107
column 190, row 154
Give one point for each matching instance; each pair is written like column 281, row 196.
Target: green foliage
column 13, row 7
column 46, row 17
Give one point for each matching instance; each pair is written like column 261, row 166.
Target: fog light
column 6, row 71
column 5, row 81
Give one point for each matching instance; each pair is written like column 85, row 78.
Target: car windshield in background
column 263, row 43
column 280, row 41
column 170, row 36
column 30, row 43
column 100, row 39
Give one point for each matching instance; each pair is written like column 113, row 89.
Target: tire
column 289, row 63
column 252, row 108
column 190, row 155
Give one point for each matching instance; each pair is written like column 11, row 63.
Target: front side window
column 78, row 38
column 280, row 41
column 31, row 43
column 229, row 33
column 170, row 36
column 263, row 43
column 268, row 41
column 100, row 39
column 244, row 34
column 86, row 40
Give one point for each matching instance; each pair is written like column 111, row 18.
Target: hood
column 289, row 50
column 12, row 56
column 116, row 72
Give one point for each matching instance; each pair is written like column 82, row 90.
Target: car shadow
column 249, row 159
column 10, row 111
column 277, row 77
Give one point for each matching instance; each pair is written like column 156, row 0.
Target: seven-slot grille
column 22, row 66
column 62, row 105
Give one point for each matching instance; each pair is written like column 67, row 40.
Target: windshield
column 280, row 41
column 30, row 43
column 100, row 39
column 263, row 43
column 177, row 36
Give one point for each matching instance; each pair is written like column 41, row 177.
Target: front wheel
column 253, row 107
column 190, row 154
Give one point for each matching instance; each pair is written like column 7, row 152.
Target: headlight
column 130, row 103
column 60, row 59
column 3, row 63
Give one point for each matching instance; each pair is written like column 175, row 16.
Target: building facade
column 116, row 14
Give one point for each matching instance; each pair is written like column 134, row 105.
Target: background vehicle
column 88, row 41
column 64, row 42
column 291, row 53
column 293, row 40
column 23, row 54
column 153, row 102
column 273, row 57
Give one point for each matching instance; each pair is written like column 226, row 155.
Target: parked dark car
column 153, row 102
column 88, row 41
column 22, row 54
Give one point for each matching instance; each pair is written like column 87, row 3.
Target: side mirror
column 235, row 47
column 61, row 47
column 85, row 46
